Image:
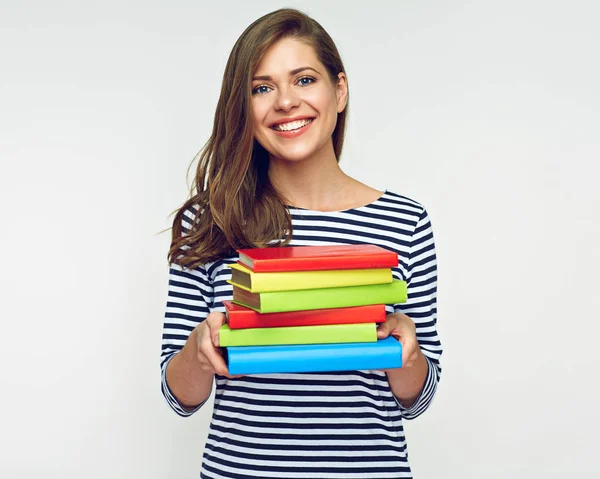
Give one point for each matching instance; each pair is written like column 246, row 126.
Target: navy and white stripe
column 324, row 425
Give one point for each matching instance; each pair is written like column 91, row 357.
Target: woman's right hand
column 209, row 352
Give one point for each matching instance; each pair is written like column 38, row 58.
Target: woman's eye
column 310, row 80
column 260, row 89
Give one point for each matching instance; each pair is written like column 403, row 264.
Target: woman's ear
column 341, row 92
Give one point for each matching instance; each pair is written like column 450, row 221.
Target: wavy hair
column 233, row 202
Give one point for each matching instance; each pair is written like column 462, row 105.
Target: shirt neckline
column 372, row 203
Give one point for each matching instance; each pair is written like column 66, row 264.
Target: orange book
column 239, row 316
column 312, row 258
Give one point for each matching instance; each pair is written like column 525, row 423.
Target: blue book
column 310, row 358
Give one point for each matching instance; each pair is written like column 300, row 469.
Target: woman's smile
column 292, row 129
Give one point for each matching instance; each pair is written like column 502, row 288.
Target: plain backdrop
column 486, row 112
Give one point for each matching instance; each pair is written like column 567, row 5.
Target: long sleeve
column 190, row 298
column 421, row 307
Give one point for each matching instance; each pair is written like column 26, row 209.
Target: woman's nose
column 286, row 99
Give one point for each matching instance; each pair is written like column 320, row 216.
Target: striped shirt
column 322, row 425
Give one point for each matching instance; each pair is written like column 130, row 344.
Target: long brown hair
column 236, row 204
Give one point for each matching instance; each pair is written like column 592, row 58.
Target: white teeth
column 293, row 125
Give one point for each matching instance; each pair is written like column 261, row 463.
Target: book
column 242, row 317
column 311, row 258
column 322, row 298
column 247, row 279
column 309, row 358
column 321, row 334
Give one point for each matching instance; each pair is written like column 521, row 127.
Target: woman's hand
column 406, row 382
column 403, row 329
column 191, row 372
column 209, row 353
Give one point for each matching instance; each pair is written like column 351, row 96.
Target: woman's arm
column 187, row 380
column 414, row 323
column 185, row 385
column 407, row 384
column 190, row 373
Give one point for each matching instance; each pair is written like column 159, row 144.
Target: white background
column 486, row 112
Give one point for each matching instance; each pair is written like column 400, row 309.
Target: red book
column 312, row 258
column 239, row 317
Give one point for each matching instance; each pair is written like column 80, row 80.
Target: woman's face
column 294, row 103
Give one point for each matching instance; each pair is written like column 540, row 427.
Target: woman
column 277, row 138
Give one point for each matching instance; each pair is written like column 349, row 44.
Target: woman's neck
column 316, row 183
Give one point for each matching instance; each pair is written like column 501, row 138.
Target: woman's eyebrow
column 292, row 73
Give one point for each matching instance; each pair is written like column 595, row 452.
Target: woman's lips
column 293, row 133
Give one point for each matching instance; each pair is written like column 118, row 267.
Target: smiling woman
column 287, row 103
column 269, row 177
column 284, row 67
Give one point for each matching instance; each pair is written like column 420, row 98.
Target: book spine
column 342, row 333
column 384, row 260
column 382, row 354
column 309, row 299
column 248, row 318
column 298, row 280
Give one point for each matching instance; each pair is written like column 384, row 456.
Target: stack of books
column 311, row 309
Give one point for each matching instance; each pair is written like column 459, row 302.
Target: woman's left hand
column 403, row 329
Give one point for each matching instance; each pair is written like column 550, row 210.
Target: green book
column 321, row 334
column 322, row 298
